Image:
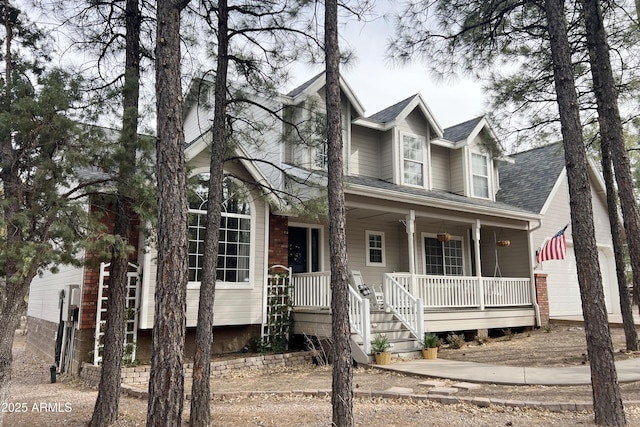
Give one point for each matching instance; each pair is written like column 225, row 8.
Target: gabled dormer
column 474, row 153
column 304, row 131
column 402, row 134
column 404, row 145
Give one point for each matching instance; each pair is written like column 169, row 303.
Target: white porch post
column 476, row 243
column 411, row 230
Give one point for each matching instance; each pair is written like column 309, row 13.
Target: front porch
column 418, row 303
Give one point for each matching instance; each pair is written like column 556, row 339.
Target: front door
column 304, row 249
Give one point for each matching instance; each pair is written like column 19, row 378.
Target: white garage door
column 562, row 284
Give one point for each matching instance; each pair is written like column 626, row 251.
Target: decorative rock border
column 90, row 374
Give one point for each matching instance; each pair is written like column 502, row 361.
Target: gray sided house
column 442, row 230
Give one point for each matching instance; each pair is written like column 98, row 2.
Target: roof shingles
column 461, row 130
column 528, row 181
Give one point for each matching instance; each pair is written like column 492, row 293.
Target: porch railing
column 406, row 307
column 466, row 291
column 360, row 318
column 501, row 291
column 314, row 290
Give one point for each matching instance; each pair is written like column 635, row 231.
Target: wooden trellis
column 275, row 333
column 132, row 305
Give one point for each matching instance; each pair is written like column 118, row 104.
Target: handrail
column 359, row 317
column 408, row 309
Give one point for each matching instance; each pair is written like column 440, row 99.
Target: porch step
column 398, row 335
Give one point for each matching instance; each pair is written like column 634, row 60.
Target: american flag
column 555, row 248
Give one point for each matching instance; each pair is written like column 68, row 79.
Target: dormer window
column 480, row 175
column 413, row 155
column 320, row 157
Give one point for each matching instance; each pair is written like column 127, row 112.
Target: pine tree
column 43, row 153
column 166, row 382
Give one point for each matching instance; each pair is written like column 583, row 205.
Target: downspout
column 532, row 289
column 146, row 300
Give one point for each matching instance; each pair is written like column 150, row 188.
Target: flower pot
column 443, row 237
column 430, row 353
column 503, row 243
column 383, row 358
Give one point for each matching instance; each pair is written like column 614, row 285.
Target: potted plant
column 430, row 345
column 503, row 243
column 380, row 346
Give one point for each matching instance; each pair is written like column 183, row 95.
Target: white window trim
column 425, row 160
column 435, row 236
column 191, row 285
column 488, row 176
column 368, row 262
column 316, row 153
column 320, row 229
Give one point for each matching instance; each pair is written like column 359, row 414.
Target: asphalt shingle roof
column 528, row 181
column 435, row 194
column 297, row 91
column 461, row 130
column 392, row 112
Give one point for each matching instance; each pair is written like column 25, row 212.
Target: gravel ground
column 35, row 402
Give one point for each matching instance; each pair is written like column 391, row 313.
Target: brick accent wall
column 278, row 240
column 90, row 374
column 542, row 297
column 92, row 270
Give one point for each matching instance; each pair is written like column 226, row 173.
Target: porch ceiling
column 382, row 215
column 359, row 214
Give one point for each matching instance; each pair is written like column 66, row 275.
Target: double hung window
column 413, row 158
column 480, row 174
column 375, row 248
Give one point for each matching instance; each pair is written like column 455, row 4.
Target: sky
column 379, row 84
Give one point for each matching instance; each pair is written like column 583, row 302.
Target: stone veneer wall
column 90, row 374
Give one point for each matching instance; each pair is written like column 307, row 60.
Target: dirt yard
column 36, row 402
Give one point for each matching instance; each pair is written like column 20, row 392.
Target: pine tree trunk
column 166, row 382
column 342, row 378
column 107, row 404
column 200, row 394
column 630, row 333
column 10, row 319
column 607, row 400
column 611, row 132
